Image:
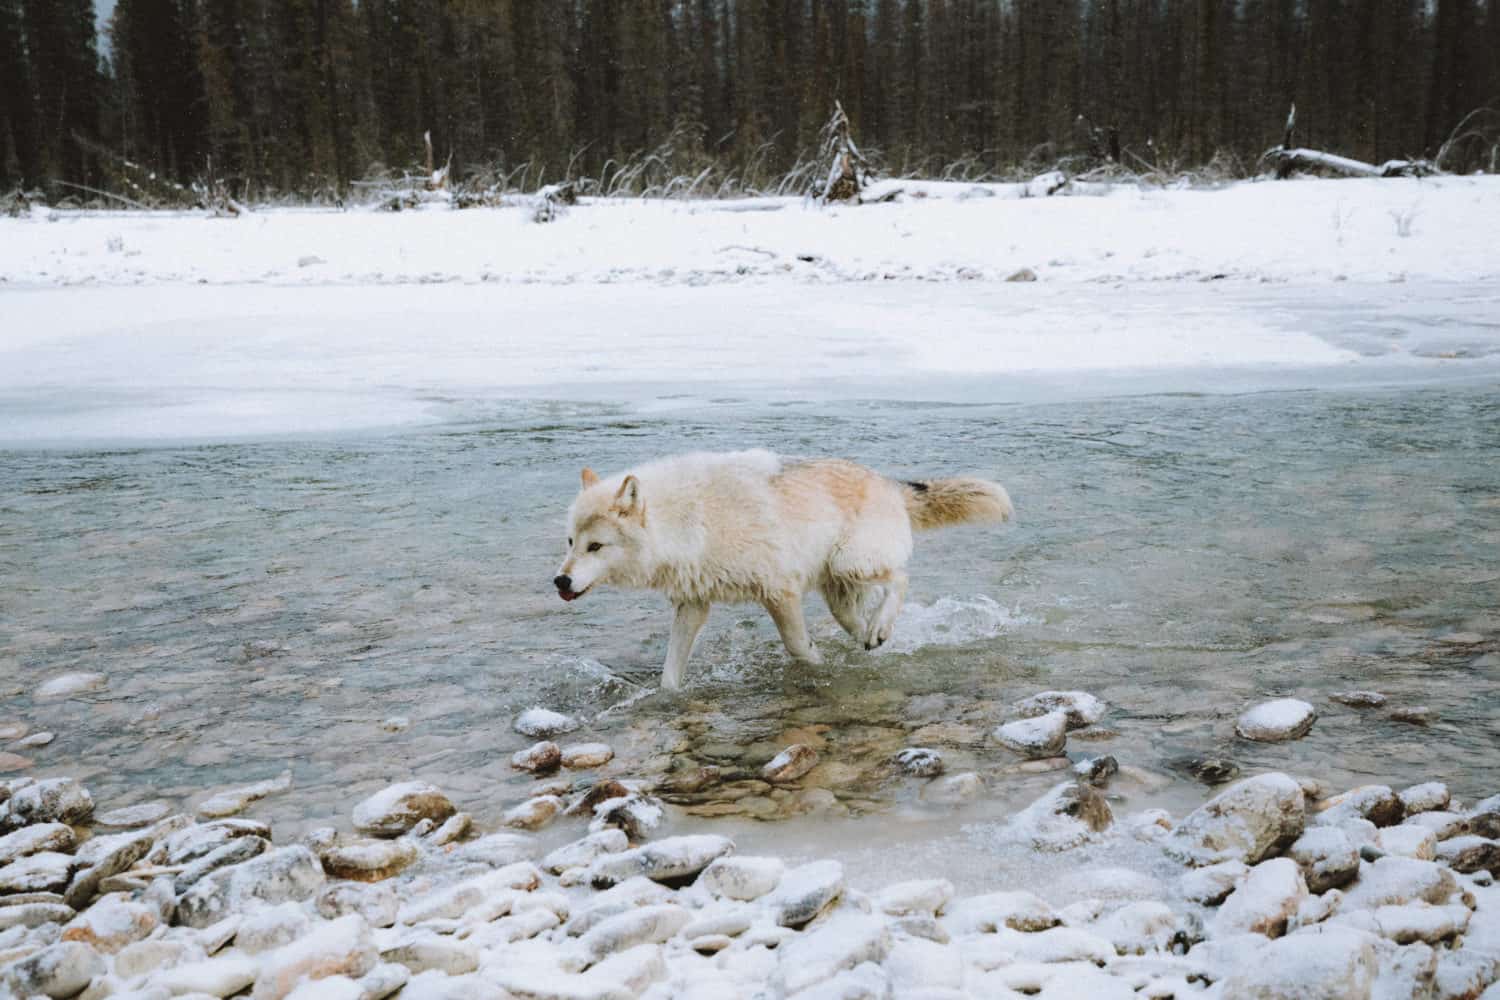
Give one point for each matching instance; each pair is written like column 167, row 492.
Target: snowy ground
column 1376, row 230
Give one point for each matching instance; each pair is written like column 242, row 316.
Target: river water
column 259, row 605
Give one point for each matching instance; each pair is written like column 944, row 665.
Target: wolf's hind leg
column 685, row 627
column 786, row 612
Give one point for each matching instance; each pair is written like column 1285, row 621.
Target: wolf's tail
column 937, row 503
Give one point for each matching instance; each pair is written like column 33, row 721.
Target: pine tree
column 63, row 63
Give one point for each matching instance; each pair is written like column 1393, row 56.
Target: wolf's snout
column 564, row 585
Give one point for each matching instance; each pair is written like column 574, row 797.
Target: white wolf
column 750, row 526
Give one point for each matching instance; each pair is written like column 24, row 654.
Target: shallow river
column 266, row 605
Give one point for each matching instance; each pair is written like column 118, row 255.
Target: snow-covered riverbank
column 1279, row 892
column 1304, row 231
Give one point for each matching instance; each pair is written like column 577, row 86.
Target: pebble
column 396, row 724
column 1040, row 736
column 68, row 685
column 790, row 764
column 13, row 729
column 585, row 755
column 539, row 758
column 14, row 762
column 396, row 809
column 541, row 723
column 1096, row 770
column 34, row 741
column 1359, row 699
column 920, row 762
column 1415, row 715
column 1276, row 721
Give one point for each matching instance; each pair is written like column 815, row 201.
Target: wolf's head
column 606, row 534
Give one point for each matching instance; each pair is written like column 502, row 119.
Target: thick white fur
column 748, row 526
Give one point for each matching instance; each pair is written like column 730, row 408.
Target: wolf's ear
column 589, row 477
column 628, row 499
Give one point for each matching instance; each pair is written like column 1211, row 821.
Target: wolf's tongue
column 567, row 595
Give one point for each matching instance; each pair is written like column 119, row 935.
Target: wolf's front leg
column 786, row 612
column 685, row 626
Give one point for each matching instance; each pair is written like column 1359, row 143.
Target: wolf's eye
column 570, row 543
column 595, row 546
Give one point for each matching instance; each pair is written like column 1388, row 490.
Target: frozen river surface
column 1223, row 494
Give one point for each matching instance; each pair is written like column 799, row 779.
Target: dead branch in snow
column 1286, row 159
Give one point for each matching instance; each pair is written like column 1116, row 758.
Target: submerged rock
column 1275, row 721
column 129, row 817
column 1209, row 769
column 69, row 685
column 542, row 723
column 920, row 762
column 1246, row 822
column 1359, row 699
column 395, row 810
column 954, row 788
column 235, row 800
column 790, row 764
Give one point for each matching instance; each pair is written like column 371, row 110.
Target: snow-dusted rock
column 1442, row 823
column 1264, row 902
column 922, row 896
column 644, row 925
column 231, row 853
column 60, row 970
column 145, row 957
column 423, row 951
column 52, row 837
column 790, row 764
column 378, row 904
column 451, row 830
column 539, row 758
column 1391, row 880
column 1470, row 854
column 130, row 817
column 1033, row 738
column 1426, row 797
column 845, row 941
column 1422, row 922
column 627, row 895
column 33, row 913
column 804, row 892
column 112, row 923
column 342, row 947
column 1210, row 884
column 918, row 967
column 1274, row 721
column 664, row 860
column 236, row 800
column 222, row 976
column 1056, row 944
column 394, row 810
column 1359, row 699
column 369, row 860
column 101, row 857
column 271, row 928
column 287, row 873
column 44, row 871
column 1327, row 857
column 920, row 762
column 542, row 723
column 1081, row 708
column 189, row 841
column 70, row 685
column 1067, row 816
column 636, row 814
column 954, row 788
column 1017, row 910
column 500, row 850
column 586, row 755
column 581, row 853
column 1376, row 803
column 533, row 814
column 1246, row 822
column 742, row 877
column 50, row 800
column 1320, row 962
column 493, row 892
column 1407, row 840
column 1138, row 928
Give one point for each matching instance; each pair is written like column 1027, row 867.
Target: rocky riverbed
column 1277, row 890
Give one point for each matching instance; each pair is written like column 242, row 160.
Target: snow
column 318, row 322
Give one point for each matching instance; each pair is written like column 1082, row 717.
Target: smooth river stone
column 68, row 685
column 1274, row 721
column 128, row 817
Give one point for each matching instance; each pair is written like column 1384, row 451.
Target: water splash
column 951, row 621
